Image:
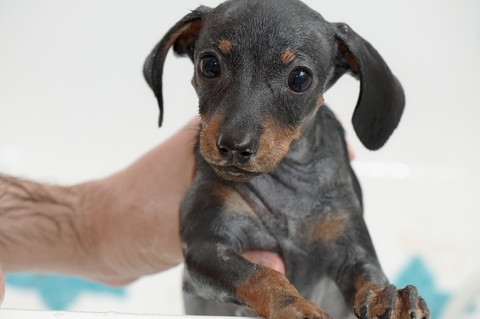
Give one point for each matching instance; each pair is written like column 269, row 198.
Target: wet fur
column 297, row 195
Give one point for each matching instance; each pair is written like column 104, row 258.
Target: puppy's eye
column 210, row 67
column 299, row 80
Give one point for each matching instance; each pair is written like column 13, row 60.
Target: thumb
column 265, row 258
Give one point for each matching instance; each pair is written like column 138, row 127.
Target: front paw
column 377, row 302
column 299, row 308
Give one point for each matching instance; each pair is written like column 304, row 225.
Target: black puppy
column 272, row 165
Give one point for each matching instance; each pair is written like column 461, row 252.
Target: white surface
column 74, row 106
column 38, row 314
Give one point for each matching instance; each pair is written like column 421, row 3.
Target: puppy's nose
column 237, row 149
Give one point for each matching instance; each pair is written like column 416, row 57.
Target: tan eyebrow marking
column 287, row 56
column 225, row 47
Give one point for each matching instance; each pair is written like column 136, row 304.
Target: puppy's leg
column 377, row 301
column 366, row 289
column 195, row 305
column 216, row 271
column 327, row 295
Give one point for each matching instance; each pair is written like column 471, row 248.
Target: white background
column 74, row 106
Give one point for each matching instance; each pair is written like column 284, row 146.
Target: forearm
column 113, row 230
column 41, row 228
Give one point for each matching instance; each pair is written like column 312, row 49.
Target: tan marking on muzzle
column 274, row 143
column 273, row 146
column 210, row 127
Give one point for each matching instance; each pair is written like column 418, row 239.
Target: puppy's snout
column 238, row 148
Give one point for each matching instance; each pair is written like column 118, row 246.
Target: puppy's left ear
column 182, row 36
column 381, row 101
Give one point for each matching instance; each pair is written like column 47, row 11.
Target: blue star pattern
column 60, row 292
column 416, row 273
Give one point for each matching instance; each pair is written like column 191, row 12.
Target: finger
column 265, row 258
column 351, row 152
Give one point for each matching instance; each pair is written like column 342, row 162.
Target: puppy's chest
column 300, row 218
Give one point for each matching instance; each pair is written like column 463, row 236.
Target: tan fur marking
column 330, row 228
column 225, row 47
column 274, row 144
column 262, row 289
column 377, row 300
column 352, row 63
column 270, row 295
column 208, row 138
column 320, row 100
column 233, row 201
column 287, row 56
column 185, row 33
column 363, row 297
column 360, row 282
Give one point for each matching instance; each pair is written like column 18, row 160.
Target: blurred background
column 74, row 107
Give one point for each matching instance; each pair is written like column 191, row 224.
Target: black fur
column 280, row 199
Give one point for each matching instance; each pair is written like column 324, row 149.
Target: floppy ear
column 182, row 36
column 381, row 101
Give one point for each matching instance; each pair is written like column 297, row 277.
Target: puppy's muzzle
column 236, row 149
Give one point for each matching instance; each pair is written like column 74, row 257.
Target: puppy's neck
column 311, row 144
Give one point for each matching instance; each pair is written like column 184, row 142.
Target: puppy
column 272, row 165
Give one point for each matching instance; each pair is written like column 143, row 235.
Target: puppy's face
column 261, row 68
column 260, row 74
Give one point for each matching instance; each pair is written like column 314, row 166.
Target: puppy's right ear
column 382, row 100
column 182, row 36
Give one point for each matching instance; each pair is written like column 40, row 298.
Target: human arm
column 112, row 230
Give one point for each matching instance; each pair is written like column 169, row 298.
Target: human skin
column 113, row 230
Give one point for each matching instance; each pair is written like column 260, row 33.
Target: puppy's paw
column 300, row 308
column 377, row 302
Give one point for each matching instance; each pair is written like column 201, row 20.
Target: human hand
column 113, row 230
column 133, row 215
column 266, row 258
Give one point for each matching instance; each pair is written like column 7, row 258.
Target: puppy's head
column 261, row 69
